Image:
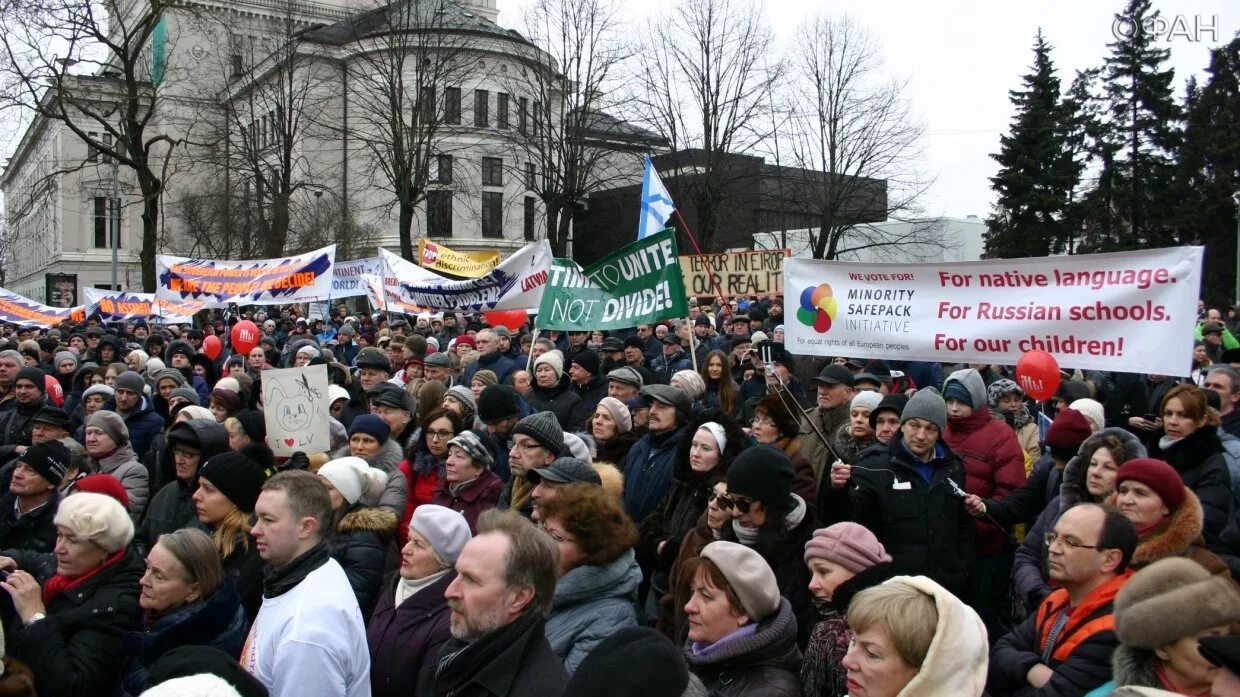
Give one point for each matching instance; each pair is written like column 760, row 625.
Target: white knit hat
column 98, row 518
column 1092, row 410
column 353, row 478
column 866, row 399
column 201, row 685
column 553, row 359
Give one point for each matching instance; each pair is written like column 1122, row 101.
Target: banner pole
column 529, row 360
column 723, row 302
column 692, row 342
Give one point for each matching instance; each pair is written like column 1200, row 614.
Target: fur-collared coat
column 1178, row 536
column 360, row 544
column 396, row 493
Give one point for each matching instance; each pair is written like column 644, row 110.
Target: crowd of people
column 685, row 508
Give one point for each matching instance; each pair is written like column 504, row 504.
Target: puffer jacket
column 219, row 622
column 765, row 664
column 360, row 544
column 1202, row 466
column 396, row 492
column 591, row 603
column 561, row 401
column 993, row 459
column 173, row 506
column 123, row 464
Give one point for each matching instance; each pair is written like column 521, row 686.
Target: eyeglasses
column 1052, row 537
column 439, row 435
column 762, row 421
column 525, row 446
column 727, row 503
column 185, row 453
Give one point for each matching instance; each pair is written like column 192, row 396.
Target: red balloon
column 54, row 390
column 212, row 346
column 1037, row 373
column 513, row 319
column 244, row 336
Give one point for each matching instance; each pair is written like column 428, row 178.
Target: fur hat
column 1171, row 599
column 98, row 518
column 353, row 478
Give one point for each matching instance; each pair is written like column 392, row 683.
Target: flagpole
column 723, row 302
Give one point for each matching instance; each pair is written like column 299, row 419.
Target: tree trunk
column 405, row 228
column 566, row 222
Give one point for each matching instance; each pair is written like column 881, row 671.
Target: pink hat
column 850, row 545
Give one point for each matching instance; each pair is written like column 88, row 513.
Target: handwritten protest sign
column 639, row 284
column 759, row 272
column 18, row 309
column 293, row 279
column 444, row 260
column 1133, row 311
column 296, row 410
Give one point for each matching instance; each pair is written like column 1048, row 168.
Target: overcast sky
column 961, row 58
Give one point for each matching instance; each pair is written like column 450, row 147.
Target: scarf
column 521, row 491
column 460, row 662
column 1167, row 442
column 60, row 583
column 406, row 588
column 425, row 463
column 281, row 581
column 704, row 650
column 828, row 642
column 749, row 536
column 456, row 489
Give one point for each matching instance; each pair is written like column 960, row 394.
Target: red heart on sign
column 289, row 442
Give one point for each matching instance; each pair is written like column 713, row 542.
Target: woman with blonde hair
column 228, row 488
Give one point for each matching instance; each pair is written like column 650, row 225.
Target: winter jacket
column 218, row 621
column 675, row 516
column 1082, row 656
column 405, row 639
column 1025, row 504
column 396, row 493
column 561, row 401
column 648, row 473
column 472, row 499
column 616, row 450
column 591, row 603
column 764, row 664
column 421, row 472
column 1133, row 668
column 1199, row 459
column 143, row 424
column 1135, row 395
column 173, row 506
column 123, row 464
column 590, row 393
column 518, row 663
column 35, row 531
column 922, row 524
column 360, row 544
column 77, row 651
column 16, row 425
column 497, row 363
column 665, row 366
column 993, row 459
column 822, row 672
column 246, row 567
column 812, row 447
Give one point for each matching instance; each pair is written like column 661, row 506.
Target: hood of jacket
column 973, row 382
column 212, row 440
column 387, row 459
column 958, row 657
column 109, row 340
column 1173, row 536
column 369, row 519
column 618, row 579
column 1134, row 667
column 1072, row 489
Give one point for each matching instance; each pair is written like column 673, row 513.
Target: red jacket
column 994, row 466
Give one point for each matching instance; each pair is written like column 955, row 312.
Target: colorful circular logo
column 818, row 308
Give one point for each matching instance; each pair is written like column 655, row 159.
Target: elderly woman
column 412, row 618
column 1189, row 442
column 224, row 404
column 552, row 392
column 68, row 629
column 228, row 488
column 186, row 601
column 692, row 384
column 742, row 634
column 1160, row 615
column 612, row 428
column 857, row 433
column 370, row 439
column 912, row 637
column 469, row 486
column 107, row 444
column 359, row 534
column 482, row 380
column 598, row 575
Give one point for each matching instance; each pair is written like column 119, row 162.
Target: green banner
column 640, row 284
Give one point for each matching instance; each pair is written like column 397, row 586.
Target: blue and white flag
column 657, row 206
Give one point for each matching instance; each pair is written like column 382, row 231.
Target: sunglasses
column 727, row 503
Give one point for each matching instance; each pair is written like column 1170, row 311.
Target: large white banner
column 18, row 309
column 217, row 283
column 122, row 306
column 347, row 276
column 516, row 284
column 1127, row 311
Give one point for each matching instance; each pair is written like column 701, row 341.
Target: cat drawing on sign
column 297, row 413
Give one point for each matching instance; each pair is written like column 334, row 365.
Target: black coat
column 77, row 650
column 34, row 532
column 523, row 666
column 404, row 639
column 173, row 508
column 923, row 525
column 765, row 664
column 591, row 394
column 16, row 425
column 359, row 543
column 561, row 401
column 247, row 569
column 786, row 557
column 1199, row 460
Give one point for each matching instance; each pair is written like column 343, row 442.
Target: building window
column 492, row 214
column 443, row 169
column 427, row 106
column 103, row 222
column 538, row 119
column 523, row 112
column 452, row 105
column 236, row 65
column 273, row 130
column 439, row 213
column 492, row 171
column 92, row 153
column 501, row 111
column 531, row 182
column 106, row 138
column 529, row 218
column 482, row 102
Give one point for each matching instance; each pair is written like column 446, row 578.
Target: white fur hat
column 98, row 518
column 353, row 478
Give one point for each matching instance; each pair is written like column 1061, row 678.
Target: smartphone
column 1150, row 417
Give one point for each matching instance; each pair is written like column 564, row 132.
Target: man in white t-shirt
column 308, row 638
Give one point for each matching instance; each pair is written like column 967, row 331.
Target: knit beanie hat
column 889, row 402
column 228, row 384
column 33, row 375
column 237, row 476
column 110, row 423
column 1069, row 429
column 865, row 399
column 353, row 478
column 98, row 518
column 691, row 382
column 553, row 359
column 62, row 356
column 850, row 545
column 749, row 575
column 106, row 391
column 155, row 365
column 607, row 670
column 170, row 374
column 486, row 377
column 193, row 411
column 49, row 458
column 477, row 445
column 372, row 426
column 253, row 424
column 1171, row 599
column 764, row 474
column 465, row 397
column 131, row 381
column 1158, row 476
column 446, row 530
column 104, row 484
column 956, row 390
column 498, row 402
column 309, row 351
column 1092, row 410
column 928, row 405
column 619, row 413
column 543, row 428
column 588, row 360
column 187, row 393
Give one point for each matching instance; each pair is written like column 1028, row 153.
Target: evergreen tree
column 1037, row 171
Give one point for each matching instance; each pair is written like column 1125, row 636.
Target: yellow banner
column 437, row 257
